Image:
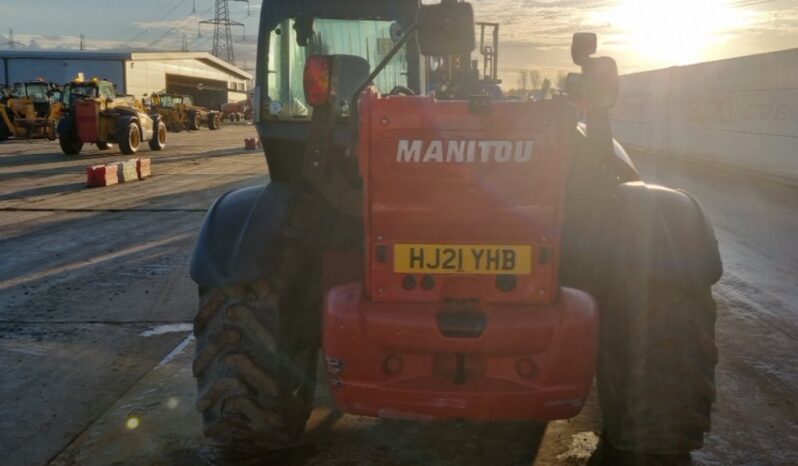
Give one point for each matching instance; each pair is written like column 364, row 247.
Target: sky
column 640, row 34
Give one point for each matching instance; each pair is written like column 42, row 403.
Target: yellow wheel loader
column 30, row 110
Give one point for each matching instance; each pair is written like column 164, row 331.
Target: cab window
column 107, row 91
column 370, row 39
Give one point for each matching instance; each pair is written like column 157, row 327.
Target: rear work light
column 317, row 80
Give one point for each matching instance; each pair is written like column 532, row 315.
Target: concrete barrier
column 118, row 172
column 101, row 175
column 740, row 113
column 143, row 168
column 126, row 171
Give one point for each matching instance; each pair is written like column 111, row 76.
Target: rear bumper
column 391, row 359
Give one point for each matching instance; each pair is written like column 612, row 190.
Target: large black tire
column 68, row 140
column 214, row 122
column 5, row 133
column 255, row 364
column 158, row 140
column 52, row 130
column 194, row 121
column 656, row 365
column 129, row 138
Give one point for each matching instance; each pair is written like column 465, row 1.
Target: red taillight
column 317, row 80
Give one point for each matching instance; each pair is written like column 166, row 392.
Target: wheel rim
column 161, row 134
column 134, row 138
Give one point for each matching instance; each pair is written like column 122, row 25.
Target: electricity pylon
column 222, row 34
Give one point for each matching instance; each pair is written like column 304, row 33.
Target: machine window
column 370, row 39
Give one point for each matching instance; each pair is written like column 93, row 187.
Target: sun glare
column 673, row 32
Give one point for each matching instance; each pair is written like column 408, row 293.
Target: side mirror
column 601, row 82
column 304, row 30
column 446, row 29
column 583, row 45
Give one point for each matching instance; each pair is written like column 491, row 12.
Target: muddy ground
column 96, row 305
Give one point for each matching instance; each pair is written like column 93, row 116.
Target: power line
column 159, row 15
column 168, row 32
column 200, row 40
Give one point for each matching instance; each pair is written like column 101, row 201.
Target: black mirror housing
column 446, row 29
column 304, row 30
column 583, row 45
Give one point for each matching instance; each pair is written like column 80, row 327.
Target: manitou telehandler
column 97, row 115
column 453, row 254
column 30, row 109
column 180, row 114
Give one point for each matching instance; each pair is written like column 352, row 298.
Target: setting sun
column 673, row 32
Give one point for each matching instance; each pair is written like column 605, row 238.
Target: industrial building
column 210, row 80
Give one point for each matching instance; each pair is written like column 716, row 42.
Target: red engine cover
column 473, row 187
column 87, row 117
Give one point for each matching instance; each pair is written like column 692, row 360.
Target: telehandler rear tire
column 129, row 138
column 255, row 365
column 656, row 364
column 158, row 141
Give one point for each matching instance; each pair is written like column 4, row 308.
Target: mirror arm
column 599, row 131
column 598, row 125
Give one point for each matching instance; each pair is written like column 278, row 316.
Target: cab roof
column 274, row 11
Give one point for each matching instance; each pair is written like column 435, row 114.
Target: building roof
column 126, row 56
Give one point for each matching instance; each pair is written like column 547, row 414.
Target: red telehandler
column 453, row 254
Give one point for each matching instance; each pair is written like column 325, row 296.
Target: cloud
column 189, row 23
column 541, row 30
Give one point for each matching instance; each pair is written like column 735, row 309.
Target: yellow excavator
column 30, row 109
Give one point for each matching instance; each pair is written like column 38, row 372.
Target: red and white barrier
column 101, row 175
column 118, row 172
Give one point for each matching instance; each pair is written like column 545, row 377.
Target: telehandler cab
column 30, row 109
column 453, row 254
column 97, row 115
